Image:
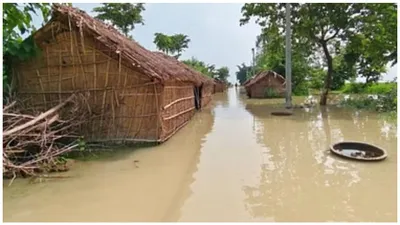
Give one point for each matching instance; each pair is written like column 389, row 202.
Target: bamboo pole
column 178, row 114
column 95, row 73
column 104, row 96
column 41, row 87
column 81, row 63
column 176, row 101
column 48, row 65
column 59, row 76
column 158, row 111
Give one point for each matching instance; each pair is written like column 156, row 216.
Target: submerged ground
column 232, row 162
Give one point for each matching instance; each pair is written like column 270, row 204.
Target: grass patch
column 362, row 88
column 271, row 93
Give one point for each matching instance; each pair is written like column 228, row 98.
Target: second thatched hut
column 266, row 84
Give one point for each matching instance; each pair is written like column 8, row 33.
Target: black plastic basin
column 358, row 151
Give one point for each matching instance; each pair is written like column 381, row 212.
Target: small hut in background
column 266, row 84
column 132, row 94
column 219, row 85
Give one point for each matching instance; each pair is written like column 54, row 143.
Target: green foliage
column 325, row 27
column 386, row 100
column 122, row 15
column 272, row 57
column 374, row 43
column 375, row 88
column 222, row 74
column 202, row 67
column 270, row 93
column 242, row 73
column 316, row 78
column 208, row 70
column 171, row 44
column 17, row 20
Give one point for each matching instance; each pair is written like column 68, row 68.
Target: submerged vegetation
column 379, row 97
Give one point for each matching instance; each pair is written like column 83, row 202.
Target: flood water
column 233, row 162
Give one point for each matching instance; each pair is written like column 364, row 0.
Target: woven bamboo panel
column 219, row 87
column 123, row 102
column 207, row 92
column 178, row 107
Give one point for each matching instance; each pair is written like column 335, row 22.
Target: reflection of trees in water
column 201, row 125
column 346, row 177
column 299, row 176
column 281, row 172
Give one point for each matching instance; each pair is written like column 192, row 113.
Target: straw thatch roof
column 172, row 61
column 132, row 54
column 247, row 81
column 262, row 75
column 217, row 80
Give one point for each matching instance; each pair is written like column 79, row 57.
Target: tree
column 271, row 56
column 163, row 42
column 17, row 21
column 322, row 26
column 222, row 74
column 374, row 43
column 200, row 66
column 243, row 71
column 123, row 15
column 171, row 44
column 180, row 42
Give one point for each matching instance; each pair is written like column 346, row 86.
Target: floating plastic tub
column 358, row 151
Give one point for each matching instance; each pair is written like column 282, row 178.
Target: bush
column 362, row 88
column 353, row 88
column 380, row 88
column 386, row 100
column 271, row 93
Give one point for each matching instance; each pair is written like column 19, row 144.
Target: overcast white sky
column 214, row 30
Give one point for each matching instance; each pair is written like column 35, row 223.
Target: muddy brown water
column 233, row 162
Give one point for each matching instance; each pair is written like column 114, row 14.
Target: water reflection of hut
column 132, row 93
column 195, row 134
column 266, row 84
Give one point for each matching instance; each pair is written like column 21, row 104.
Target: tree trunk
column 328, row 78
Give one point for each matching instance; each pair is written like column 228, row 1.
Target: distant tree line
column 331, row 43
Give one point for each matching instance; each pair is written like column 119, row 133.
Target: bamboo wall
column 125, row 103
column 207, row 92
column 219, row 87
column 177, row 107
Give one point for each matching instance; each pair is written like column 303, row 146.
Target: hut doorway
column 197, row 96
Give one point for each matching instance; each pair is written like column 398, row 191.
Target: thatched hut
column 266, row 84
column 203, row 92
column 219, row 85
column 131, row 93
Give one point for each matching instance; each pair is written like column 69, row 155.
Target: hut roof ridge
column 153, row 65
